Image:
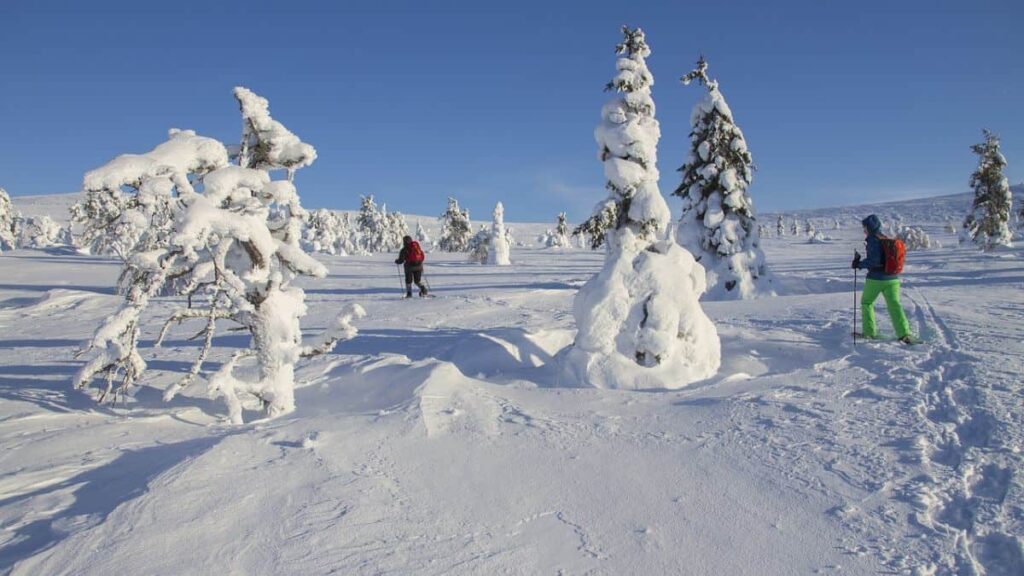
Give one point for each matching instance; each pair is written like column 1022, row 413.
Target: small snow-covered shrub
column 479, row 246
column 326, row 232
column 780, row 227
column 422, row 237
column 234, row 247
column 915, row 238
column 639, row 321
column 41, row 232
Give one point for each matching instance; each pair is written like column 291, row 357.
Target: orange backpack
column 894, row 252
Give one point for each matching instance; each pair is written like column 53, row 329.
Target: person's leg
column 408, row 282
column 872, row 288
column 418, row 277
column 891, row 293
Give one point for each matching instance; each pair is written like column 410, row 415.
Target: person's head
column 406, row 240
column 872, row 225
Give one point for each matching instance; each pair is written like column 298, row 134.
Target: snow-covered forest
column 201, row 373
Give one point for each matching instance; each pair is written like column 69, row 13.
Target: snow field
column 440, row 440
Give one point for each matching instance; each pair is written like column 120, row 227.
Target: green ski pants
column 890, row 290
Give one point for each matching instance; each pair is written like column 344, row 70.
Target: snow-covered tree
column 325, row 232
column 836, row 224
column 987, row 224
column 718, row 224
column 780, row 227
column 8, row 223
column 396, row 228
column 561, row 236
column 640, row 324
column 795, row 228
column 373, row 226
column 809, row 228
column 915, row 238
column 129, row 204
column 497, row 254
column 236, row 247
column 950, row 227
column 422, row 237
column 479, row 245
column 41, row 232
column 455, row 228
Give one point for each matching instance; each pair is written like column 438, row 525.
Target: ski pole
column 401, row 278
column 854, row 307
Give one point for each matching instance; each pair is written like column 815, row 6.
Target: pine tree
column 780, row 227
column 455, row 228
column 795, row 228
column 987, row 224
column 40, row 232
column 373, row 226
column 809, row 228
column 718, row 222
column 479, row 246
column 639, row 321
column 8, row 223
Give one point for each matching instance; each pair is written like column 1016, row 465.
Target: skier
column 879, row 282
column 412, row 256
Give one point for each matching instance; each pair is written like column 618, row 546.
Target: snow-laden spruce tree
column 718, row 224
column 8, row 223
column 780, row 227
column 397, row 228
column 479, row 246
column 809, row 228
column 497, row 253
column 987, row 224
column 422, row 237
column 373, row 226
column 795, row 228
column 639, row 321
column 235, row 247
column 455, row 228
column 324, row 233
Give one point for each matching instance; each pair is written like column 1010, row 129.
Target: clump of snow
column 266, row 143
column 640, row 325
column 915, row 238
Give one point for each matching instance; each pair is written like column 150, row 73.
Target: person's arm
column 873, row 258
column 401, row 257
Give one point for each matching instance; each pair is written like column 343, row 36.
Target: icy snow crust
column 440, row 440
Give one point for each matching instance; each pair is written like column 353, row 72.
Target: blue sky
column 841, row 102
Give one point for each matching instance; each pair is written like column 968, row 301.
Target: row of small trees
column 17, row 231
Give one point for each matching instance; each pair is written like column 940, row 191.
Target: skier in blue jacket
column 878, row 282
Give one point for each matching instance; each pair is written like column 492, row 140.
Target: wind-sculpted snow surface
column 442, row 438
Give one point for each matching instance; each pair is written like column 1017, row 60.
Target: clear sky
column 841, row 102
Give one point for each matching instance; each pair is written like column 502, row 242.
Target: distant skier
column 412, row 256
column 883, row 278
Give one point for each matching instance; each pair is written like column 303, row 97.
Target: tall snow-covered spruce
column 987, row 224
column 234, row 249
column 497, row 253
column 640, row 325
column 456, row 230
column 718, row 224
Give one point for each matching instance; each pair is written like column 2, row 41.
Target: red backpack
column 894, row 252
column 414, row 255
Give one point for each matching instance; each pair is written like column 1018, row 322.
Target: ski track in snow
column 438, row 441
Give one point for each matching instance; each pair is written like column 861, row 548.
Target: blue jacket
column 874, row 259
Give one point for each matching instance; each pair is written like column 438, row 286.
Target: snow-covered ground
column 438, row 441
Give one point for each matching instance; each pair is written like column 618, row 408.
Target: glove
column 856, row 260
column 399, row 261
